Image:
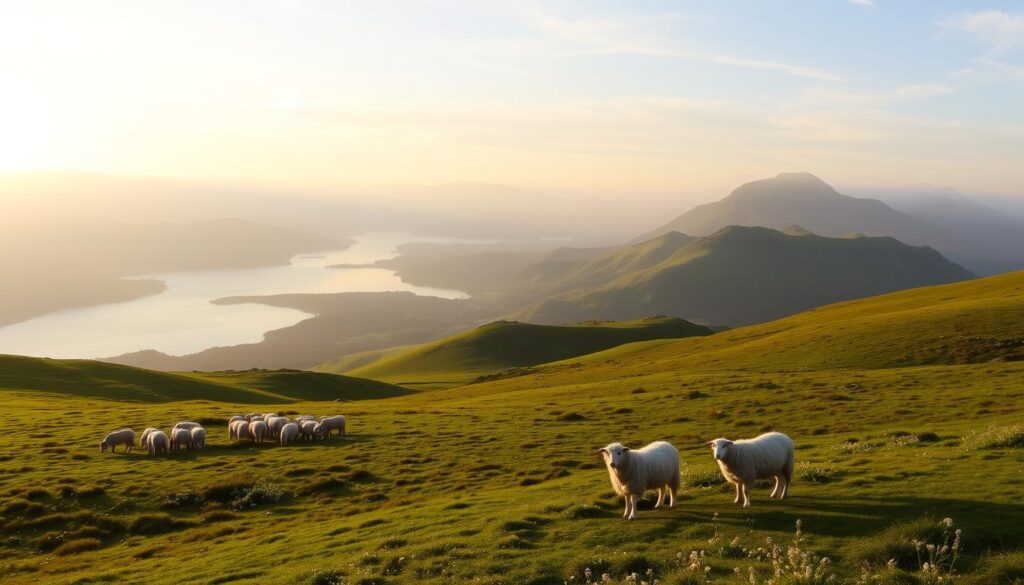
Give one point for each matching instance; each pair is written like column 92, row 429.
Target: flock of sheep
column 257, row 428
column 656, row 467
column 632, row 471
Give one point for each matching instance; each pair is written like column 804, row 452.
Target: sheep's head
column 719, row 447
column 103, row 446
column 614, row 454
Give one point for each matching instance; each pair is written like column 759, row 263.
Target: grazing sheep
column 157, row 442
column 274, row 425
column 655, row 467
column 331, row 423
column 743, row 462
column 124, row 437
column 269, row 415
column 181, row 438
column 308, row 429
column 289, row 433
column 145, row 436
column 239, row 430
column 198, row 438
column 254, row 417
column 189, row 425
column 303, row 418
column 258, row 430
column 237, row 417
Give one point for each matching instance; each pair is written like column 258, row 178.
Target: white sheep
column 181, row 438
column 289, row 433
column 303, row 418
column 254, row 417
column 633, row 472
column 145, row 436
column 766, row 456
column 258, row 430
column 308, row 429
column 269, row 415
column 274, row 425
column 237, row 417
column 239, row 430
column 331, row 423
column 189, row 425
column 198, row 438
column 124, row 437
column 157, row 442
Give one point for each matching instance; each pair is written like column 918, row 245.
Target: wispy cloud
column 1000, row 30
column 604, row 36
column 865, row 3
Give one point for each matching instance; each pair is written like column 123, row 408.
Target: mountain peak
column 795, row 230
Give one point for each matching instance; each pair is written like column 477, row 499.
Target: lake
column 181, row 319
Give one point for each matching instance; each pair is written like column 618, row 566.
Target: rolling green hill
column 742, row 275
column 501, row 345
column 971, row 322
column 498, row 482
column 87, row 378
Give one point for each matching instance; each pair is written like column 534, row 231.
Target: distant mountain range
column 963, row 230
column 737, row 276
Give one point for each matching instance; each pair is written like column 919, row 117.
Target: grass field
column 499, row 482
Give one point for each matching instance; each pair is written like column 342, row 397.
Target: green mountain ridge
column 742, row 275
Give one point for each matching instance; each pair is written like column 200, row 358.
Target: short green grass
column 500, row 482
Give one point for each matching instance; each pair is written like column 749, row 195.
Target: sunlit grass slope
column 94, row 379
column 503, row 344
column 499, row 482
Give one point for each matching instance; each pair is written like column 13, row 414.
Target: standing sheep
column 743, row 462
column 124, row 437
column 157, row 442
column 289, row 433
column 236, row 417
column 308, row 430
column 181, row 438
column 187, row 424
column 274, row 425
column 145, row 436
column 655, row 467
column 331, row 423
column 238, row 430
column 258, row 430
column 198, row 437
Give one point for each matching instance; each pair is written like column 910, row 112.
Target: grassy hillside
column 503, row 344
column 973, row 322
column 87, row 378
column 744, row 275
column 499, row 482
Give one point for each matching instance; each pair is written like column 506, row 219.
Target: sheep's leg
column 661, row 496
column 632, row 507
column 747, row 488
column 785, row 486
column 626, row 513
column 778, row 484
column 671, row 496
column 739, row 493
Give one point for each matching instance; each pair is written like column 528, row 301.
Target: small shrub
column 181, row 499
column 817, row 473
column 928, row 437
column 896, row 544
column 76, row 546
column 322, row 577
column 695, row 394
column 156, row 524
column 997, row 437
column 91, row 491
column 570, row 417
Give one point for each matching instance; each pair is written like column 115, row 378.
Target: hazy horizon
column 685, row 100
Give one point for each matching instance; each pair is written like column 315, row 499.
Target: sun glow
column 24, row 128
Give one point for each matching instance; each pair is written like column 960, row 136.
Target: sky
column 581, row 96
